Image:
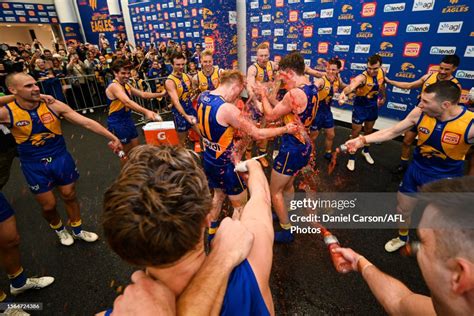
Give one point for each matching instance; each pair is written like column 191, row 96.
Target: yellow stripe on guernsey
column 22, row 126
column 260, row 77
column 203, row 82
column 452, row 140
column 323, row 94
column 179, row 87
column 433, row 78
column 117, row 105
column 205, row 129
column 366, row 89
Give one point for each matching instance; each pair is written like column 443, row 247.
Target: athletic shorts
column 180, row 122
column 322, row 120
column 361, row 114
column 224, row 178
column 6, row 211
column 414, row 178
column 291, row 160
column 124, row 130
column 42, row 176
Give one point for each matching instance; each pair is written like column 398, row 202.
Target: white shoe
column 368, row 158
column 65, row 237
column 84, row 111
column 394, row 244
column 32, row 284
column 91, row 110
column 15, row 312
column 351, row 164
column 86, row 236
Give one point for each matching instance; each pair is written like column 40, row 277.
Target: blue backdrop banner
column 12, row 12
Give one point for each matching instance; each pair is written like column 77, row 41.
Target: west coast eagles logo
column 407, row 66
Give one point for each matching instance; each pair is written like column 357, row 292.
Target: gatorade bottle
column 341, row 264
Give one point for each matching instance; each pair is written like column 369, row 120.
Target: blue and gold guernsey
column 433, row 78
column 295, row 149
column 37, row 132
column 442, row 146
column 119, row 121
column 208, row 82
column 324, row 118
column 183, row 88
column 264, row 74
column 218, row 143
column 365, row 102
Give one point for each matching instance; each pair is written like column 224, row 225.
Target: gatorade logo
column 323, row 47
column 161, row 136
column 390, row 29
column 368, row 9
column 412, row 49
column 451, row 138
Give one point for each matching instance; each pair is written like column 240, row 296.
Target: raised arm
column 147, row 95
column 118, row 93
column 407, row 85
column 355, row 83
column 395, row 297
column 293, row 100
column 313, row 72
column 251, row 74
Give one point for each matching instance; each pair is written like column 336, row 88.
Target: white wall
column 20, row 33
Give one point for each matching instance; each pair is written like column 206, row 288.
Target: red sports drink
column 120, row 153
column 341, row 264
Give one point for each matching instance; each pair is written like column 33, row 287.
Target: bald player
column 45, row 161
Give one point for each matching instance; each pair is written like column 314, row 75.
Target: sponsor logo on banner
column 346, row 13
column 341, row 48
column 266, row 32
column 293, row 17
column 254, row 5
column 443, row 50
column 323, row 47
column 307, row 62
column 279, row 18
column 401, row 91
column 293, row 32
column 254, row 33
column 266, row 18
column 358, row 66
column 394, row 7
column 390, row 28
column 455, row 8
column 385, row 49
column 254, row 19
column 397, row 106
column 291, row 47
column 344, row 30
column 386, row 68
column 368, row 9
column 451, row 138
column 324, row 30
column 310, row 15
column 308, row 31
column 306, row 48
column 266, row 6
column 423, row 5
column 418, row 28
column 326, row 13
column 278, row 46
column 278, row 32
column 363, row 28
column 465, row 74
column 469, row 51
column 412, row 49
column 279, row 3
column 362, row 48
column 293, row 1
column 450, row 27
column 406, row 71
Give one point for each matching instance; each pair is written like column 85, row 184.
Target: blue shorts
column 290, row 161
column 224, row 178
column 6, row 211
column 43, row 176
column 414, row 178
column 361, row 114
column 124, row 130
column 322, row 120
column 180, row 122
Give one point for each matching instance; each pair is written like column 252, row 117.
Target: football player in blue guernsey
column 119, row 98
column 369, row 88
column 218, row 117
column 166, row 234
column 445, row 135
column 298, row 105
column 45, row 161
